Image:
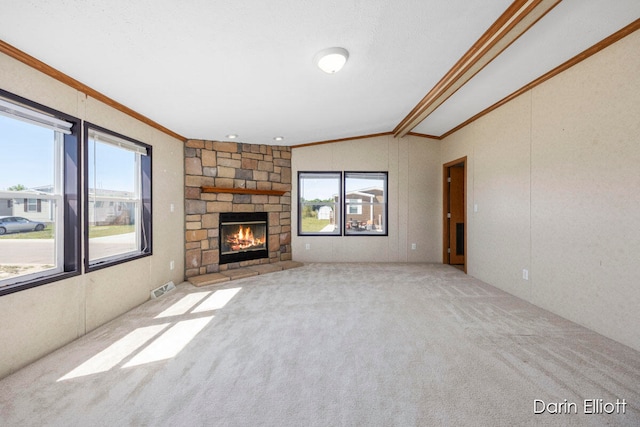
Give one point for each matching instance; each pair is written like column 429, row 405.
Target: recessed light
column 331, row 60
column 232, row 136
column 278, row 138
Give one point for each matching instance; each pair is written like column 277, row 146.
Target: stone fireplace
column 243, row 236
column 224, row 178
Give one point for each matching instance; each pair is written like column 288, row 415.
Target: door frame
column 445, row 210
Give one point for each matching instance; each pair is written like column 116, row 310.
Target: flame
column 245, row 236
column 244, row 239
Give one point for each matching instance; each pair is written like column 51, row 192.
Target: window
column 365, row 203
column 354, row 206
column 40, row 200
column 365, row 195
column 319, row 203
column 39, row 185
column 32, row 205
column 117, row 198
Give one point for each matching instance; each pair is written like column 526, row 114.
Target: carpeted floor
column 331, row 345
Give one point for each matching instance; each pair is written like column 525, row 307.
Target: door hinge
column 448, row 250
column 449, row 215
column 449, row 179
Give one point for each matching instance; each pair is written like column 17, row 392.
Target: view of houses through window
column 114, row 200
column 365, row 203
column 30, row 200
column 41, row 204
column 321, row 210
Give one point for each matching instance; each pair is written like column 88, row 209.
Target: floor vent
column 158, row 292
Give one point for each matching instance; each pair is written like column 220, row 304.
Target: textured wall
column 554, row 174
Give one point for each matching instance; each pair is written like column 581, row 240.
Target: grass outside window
column 47, row 233
column 311, row 224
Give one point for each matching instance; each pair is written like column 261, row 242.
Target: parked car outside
column 16, row 224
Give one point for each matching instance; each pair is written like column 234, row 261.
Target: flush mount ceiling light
column 232, row 136
column 331, row 60
column 278, row 138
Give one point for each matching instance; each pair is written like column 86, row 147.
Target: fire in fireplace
column 244, row 239
column 243, row 236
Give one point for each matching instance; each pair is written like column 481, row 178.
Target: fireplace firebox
column 243, row 236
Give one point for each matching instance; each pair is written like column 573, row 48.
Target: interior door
column 456, row 215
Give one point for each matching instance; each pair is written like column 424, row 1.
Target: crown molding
column 424, row 135
column 351, row 138
column 32, row 62
column 618, row 35
column 515, row 21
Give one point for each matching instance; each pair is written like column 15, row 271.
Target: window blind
column 28, row 115
column 118, row 142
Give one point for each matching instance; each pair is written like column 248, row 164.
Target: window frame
column 338, row 204
column 344, row 204
column 71, row 208
column 385, row 190
column 146, row 217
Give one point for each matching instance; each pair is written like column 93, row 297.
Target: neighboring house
column 111, row 207
column 27, row 204
column 6, row 207
column 365, row 208
column 33, row 208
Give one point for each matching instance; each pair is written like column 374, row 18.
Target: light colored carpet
column 329, row 345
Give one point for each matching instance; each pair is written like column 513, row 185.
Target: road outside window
column 115, row 177
column 31, row 228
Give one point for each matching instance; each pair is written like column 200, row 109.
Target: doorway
column 454, row 230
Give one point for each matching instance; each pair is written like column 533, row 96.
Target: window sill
column 109, row 262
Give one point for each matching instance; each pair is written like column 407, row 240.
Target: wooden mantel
column 207, row 189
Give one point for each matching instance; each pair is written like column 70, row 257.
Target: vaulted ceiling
column 206, row 69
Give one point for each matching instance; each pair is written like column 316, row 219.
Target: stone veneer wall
column 234, row 165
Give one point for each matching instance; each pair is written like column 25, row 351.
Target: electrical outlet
column 525, row 274
column 307, row 246
column 413, row 246
column 171, row 207
column 171, row 265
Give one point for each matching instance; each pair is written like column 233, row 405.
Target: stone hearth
column 260, row 173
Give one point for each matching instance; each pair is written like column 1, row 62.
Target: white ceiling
column 206, row 68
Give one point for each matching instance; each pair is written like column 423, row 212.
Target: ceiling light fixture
column 278, row 138
column 331, row 60
column 232, row 136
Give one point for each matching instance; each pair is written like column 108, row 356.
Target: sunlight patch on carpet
column 185, row 304
column 218, row 300
column 169, row 344
column 116, row 352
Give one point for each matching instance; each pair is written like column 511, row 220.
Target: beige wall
column 555, row 175
column 414, row 201
column 39, row 320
